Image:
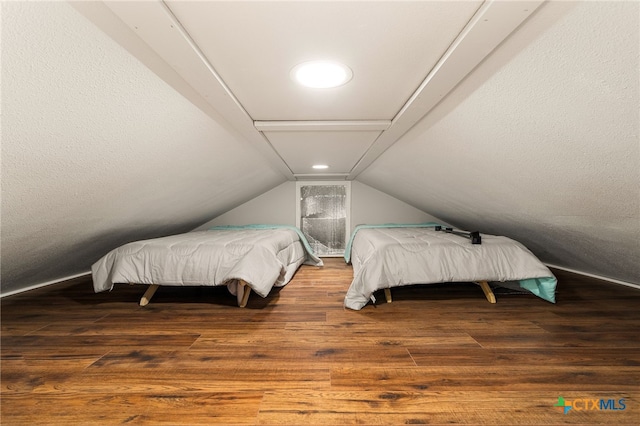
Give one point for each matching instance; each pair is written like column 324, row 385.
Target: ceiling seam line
column 447, row 52
column 477, row 16
column 416, row 94
column 364, row 154
column 203, row 58
column 266, row 139
column 185, row 34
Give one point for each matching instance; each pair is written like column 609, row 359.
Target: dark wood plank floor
column 438, row 354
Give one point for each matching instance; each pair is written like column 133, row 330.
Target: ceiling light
column 320, row 166
column 321, row 74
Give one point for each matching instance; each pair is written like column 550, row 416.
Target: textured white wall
column 274, row 207
column 370, row 206
column 278, row 206
column 540, row 143
column 98, row 151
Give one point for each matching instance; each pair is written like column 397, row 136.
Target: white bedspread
column 391, row 257
column 263, row 258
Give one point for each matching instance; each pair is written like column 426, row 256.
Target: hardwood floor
column 438, row 354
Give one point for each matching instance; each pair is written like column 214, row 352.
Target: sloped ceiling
column 98, row 151
column 405, row 57
column 540, row 143
column 515, row 118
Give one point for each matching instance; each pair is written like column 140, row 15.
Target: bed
column 392, row 255
column 244, row 258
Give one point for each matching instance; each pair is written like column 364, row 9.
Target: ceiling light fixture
column 321, row 74
column 320, row 166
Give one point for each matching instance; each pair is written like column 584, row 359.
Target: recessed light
column 320, row 166
column 321, row 74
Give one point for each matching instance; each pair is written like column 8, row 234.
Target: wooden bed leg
column 246, row 290
column 487, row 291
column 146, row 297
column 387, row 294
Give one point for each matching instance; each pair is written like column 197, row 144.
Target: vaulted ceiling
column 126, row 120
column 405, row 57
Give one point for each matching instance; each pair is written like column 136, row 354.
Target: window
column 322, row 214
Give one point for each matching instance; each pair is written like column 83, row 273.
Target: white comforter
column 391, row 257
column 263, row 258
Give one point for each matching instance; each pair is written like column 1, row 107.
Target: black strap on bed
column 473, row 236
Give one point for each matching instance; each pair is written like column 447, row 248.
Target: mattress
column 262, row 257
column 391, row 256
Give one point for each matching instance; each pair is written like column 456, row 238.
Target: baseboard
column 586, row 274
column 36, row 286
column 60, row 280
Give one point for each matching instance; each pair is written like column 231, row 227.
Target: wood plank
column 129, row 378
column 107, row 408
column 574, row 356
column 305, row 356
column 338, row 338
column 504, row 339
column 31, row 375
column 494, row 377
column 396, row 408
column 69, row 345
